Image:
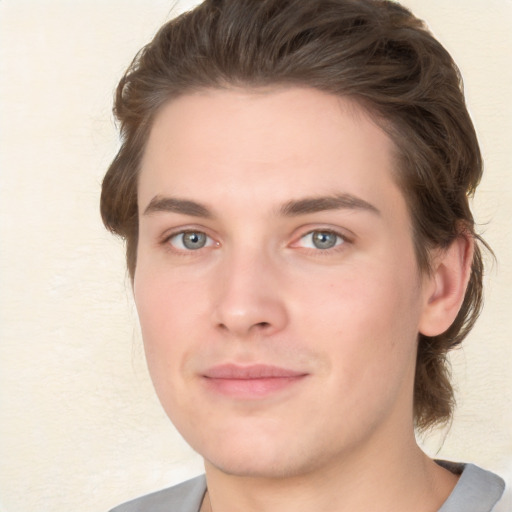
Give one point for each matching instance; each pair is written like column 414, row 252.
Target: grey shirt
column 477, row 490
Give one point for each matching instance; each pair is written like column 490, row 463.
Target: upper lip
column 254, row 371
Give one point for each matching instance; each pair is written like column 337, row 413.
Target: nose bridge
column 248, row 296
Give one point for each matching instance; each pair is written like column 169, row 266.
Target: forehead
column 287, row 141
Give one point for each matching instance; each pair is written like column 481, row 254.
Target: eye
column 190, row 240
column 321, row 239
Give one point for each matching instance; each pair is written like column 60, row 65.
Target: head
column 374, row 53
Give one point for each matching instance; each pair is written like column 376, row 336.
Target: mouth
column 250, row 382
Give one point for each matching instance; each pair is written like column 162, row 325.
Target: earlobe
column 446, row 286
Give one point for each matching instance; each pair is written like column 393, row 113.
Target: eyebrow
column 319, row 204
column 292, row 208
column 175, row 205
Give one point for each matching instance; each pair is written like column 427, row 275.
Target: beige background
column 81, row 429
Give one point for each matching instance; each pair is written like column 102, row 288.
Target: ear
column 446, row 285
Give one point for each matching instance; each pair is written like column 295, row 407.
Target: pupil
column 194, row 240
column 324, row 239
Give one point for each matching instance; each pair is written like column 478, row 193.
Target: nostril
column 263, row 325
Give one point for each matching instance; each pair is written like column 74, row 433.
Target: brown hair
column 374, row 51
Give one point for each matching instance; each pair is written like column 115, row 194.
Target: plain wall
column 81, row 428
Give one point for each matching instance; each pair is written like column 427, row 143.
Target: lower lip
column 252, row 388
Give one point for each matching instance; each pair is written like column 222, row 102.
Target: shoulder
column 185, row 497
column 477, row 490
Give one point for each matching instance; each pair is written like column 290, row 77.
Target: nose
column 249, row 296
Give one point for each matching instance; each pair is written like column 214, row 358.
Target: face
column 276, row 281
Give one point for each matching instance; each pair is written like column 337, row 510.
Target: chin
column 254, row 466
column 260, row 459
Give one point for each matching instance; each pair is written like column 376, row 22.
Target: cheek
column 167, row 337
column 366, row 320
column 165, row 300
column 164, row 308
column 363, row 296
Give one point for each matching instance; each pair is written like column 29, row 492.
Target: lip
column 250, row 382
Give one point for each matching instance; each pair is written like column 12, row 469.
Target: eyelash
column 166, row 241
column 341, row 241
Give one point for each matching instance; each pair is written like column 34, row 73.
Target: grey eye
column 324, row 239
column 321, row 239
column 190, row 240
column 194, row 240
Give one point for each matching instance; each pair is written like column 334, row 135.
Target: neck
column 395, row 480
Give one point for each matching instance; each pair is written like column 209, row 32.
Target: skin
column 235, row 167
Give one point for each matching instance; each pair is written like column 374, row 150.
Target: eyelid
column 338, row 240
column 182, row 230
column 346, row 237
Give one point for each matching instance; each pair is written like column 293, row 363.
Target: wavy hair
column 374, row 51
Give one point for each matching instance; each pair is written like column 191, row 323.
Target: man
column 293, row 190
